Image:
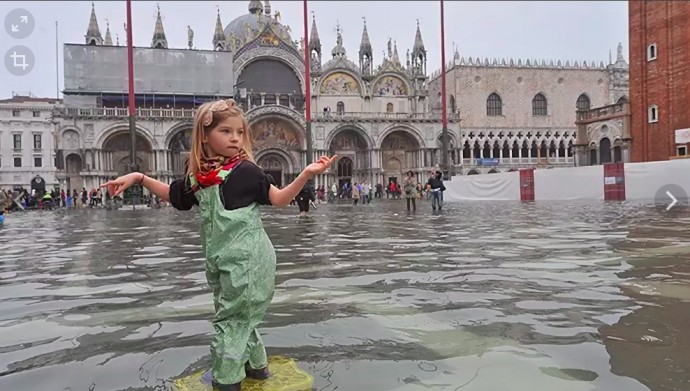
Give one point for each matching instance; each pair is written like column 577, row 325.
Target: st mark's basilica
column 381, row 116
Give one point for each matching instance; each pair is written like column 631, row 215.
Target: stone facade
column 26, row 143
column 603, row 135
column 376, row 115
column 660, row 80
column 524, row 112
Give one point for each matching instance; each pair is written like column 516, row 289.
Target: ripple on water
column 156, row 261
column 367, row 298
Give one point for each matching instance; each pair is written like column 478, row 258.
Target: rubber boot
column 257, row 374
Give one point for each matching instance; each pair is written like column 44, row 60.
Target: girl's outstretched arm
column 282, row 197
column 119, row 185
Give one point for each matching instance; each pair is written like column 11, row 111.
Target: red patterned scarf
column 208, row 172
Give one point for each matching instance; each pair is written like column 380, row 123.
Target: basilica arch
column 120, row 127
column 276, row 163
column 280, row 142
column 73, row 165
column 270, row 81
column 353, row 146
column 116, row 152
column 400, row 152
column 179, row 143
column 248, row 60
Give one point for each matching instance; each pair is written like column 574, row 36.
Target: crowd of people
column 363, row 192
column 357, row 193
column 21, row 198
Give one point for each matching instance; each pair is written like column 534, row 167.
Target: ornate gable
column 268, row 38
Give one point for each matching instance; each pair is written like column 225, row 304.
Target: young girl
column 240, row 260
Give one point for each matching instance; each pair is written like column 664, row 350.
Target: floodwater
column 482, row 296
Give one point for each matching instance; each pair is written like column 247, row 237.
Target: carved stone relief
column 429, row 133
column 88, row 136
column 374, row 131
column 320, row 133
column 70, row 140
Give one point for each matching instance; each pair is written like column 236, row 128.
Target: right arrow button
column 671, row 197
column 674, row 201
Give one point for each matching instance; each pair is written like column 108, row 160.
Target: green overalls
column 240, row 268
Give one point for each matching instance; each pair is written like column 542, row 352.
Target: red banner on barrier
column 614, row 182
column 527, row 184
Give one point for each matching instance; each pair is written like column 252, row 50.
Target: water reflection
column 481, row 296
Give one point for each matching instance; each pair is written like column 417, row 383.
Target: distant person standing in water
column 410, row 188
column 435, row 185
column 305, row 197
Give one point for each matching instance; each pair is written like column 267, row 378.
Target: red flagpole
column 444, row 112
column 130, row 72
column 307, row 83
column 443, row 69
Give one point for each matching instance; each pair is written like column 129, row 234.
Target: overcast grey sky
column 585, row 30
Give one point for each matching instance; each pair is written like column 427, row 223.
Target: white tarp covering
column 501, row 186
column 156, row 71
column 643, row 180
column 571, row 183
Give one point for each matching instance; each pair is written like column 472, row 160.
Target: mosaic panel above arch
column 390, row 86
column 399, row 140
column 348, row 140
column 339, row 83
column 275, row 133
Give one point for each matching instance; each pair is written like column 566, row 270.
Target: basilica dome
column 246, row 27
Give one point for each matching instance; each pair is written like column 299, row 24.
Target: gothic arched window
column 539, row 105
column 494, row 105
column 345, row 167
column 583, row 102
column 340, row 107
column 389, row 108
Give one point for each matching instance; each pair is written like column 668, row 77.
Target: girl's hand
column 117, row 186
column 320, row 166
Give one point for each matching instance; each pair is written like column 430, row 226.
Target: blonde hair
column 206, row 119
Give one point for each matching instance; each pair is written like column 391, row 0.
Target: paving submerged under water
column 483, row 296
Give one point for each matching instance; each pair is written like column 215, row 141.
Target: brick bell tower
column 659, row 34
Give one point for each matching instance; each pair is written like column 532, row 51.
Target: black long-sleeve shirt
column 436, row 183
column 246, row 184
